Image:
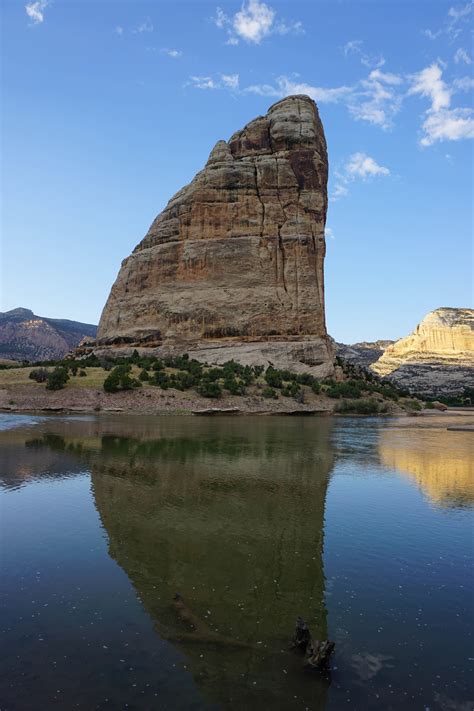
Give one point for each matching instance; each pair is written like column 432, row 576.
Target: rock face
column 233, row 266
column 437, row 358
column 24, row 336
column 362, row 354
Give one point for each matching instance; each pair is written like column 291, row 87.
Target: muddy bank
column 149, row 401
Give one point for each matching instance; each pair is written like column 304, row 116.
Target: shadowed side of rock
column 233, row 266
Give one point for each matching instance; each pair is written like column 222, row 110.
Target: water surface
column 362, row 526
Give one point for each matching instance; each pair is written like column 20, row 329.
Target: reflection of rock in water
column 440, row 461
column 232, row 518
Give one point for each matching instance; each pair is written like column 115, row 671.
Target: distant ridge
column 26, row 336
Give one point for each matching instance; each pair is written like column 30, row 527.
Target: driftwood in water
column 200, row 631
column 317, row 653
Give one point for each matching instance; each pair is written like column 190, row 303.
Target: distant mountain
column 25, row 336
column 364, row 353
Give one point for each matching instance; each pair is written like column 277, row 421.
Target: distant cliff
column 362, row 354
column 437, row 358
column 25, row 336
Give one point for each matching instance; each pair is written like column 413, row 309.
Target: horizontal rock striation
column 236, row 258
column 437, row 358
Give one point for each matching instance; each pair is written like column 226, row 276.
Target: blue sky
column 110, row 107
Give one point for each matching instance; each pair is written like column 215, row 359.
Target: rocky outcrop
column 233, row 266
column 437, row 358
column 24, row 336
column 362, row 354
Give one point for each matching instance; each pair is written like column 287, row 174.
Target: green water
column 362, row 526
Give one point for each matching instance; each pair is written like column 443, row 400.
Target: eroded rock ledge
column 233, row 266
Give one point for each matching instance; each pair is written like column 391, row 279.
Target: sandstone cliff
column 233, row 266
column 437, row 358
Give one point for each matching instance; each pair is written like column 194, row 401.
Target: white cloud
column 173, row 53
column 452, row 26
column 462, row 56
column 220, row 19
column 253, row 22
column 329, row 233
column 145, row 26
column 442, row 123
column 231, row 81
column 286, row 86
column 118, row 30
column 35, row 11
column 363, row 166
column 225, row 81
column 429, row 83
column 359, row 166
column 448, row 125
column 368, row 60
column 464, row 84
column 431, row 35
column 200, row 82
column 376, row 99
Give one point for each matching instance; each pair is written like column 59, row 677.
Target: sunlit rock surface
column 233, row 266
column 437, row 358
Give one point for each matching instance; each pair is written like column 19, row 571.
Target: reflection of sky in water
column 100, row 530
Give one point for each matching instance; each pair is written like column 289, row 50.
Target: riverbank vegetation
column 353, row 391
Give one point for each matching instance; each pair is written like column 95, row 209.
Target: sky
column 109, row 107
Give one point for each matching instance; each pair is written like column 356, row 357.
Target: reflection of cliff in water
column 230, row 516
column 440, row 461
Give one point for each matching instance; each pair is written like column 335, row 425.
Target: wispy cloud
column 118, row 30
column 145, row 26
column 286, row 86
column 461, row 56
column 441, row 122
column 224, row 81
column 172, row 53
column 376, row 99
column 454, row 23
column 253, row 22
column 35, row 11
column 355, row 47
column 329, row 233
column 360, row 166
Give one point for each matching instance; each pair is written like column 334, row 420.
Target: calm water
column 362, row 526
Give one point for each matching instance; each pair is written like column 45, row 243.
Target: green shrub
column 161, row 379
column 349, row 389
column 316, row 386
column 40, row 375
column 360, row 407
column 235, row 387
column 120, row 379
column 209, row 388
column 273, row 377
column 144, row 376
column 291, row 390
column 412, row 405
column 82, row 374
column 270, row 393
column 57, row 379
